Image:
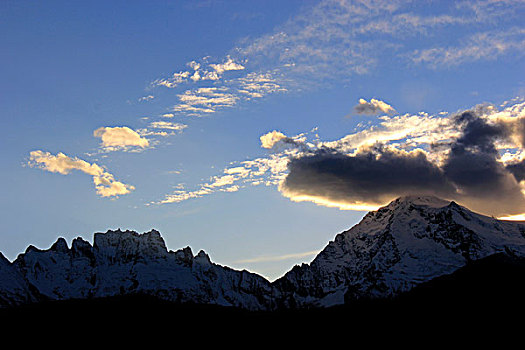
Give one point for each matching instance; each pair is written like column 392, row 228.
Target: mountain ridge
column 123, row 262
column 411, row 241
column 407, row 242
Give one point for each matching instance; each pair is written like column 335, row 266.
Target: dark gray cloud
column 471, row 174
column 472, row 161
column 477, row 133
column 518, row 170
column 372, row 177
column 473, row 166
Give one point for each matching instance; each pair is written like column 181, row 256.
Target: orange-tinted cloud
column 105, row 183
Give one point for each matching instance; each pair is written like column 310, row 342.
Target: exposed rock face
column 410, row 241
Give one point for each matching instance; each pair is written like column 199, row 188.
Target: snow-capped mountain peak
column 126, row 262
column 128, row 245
column 410, row 241
column 427, row 200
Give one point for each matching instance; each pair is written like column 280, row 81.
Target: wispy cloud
column 168, row 125
column 173, row 81
column 480, row 46
column 205, row 100
column 160, row 128
column 257, row 85
column 200, row 71
column 273, row 258
column 220, row 183
column 334, row 40
column 269, row 171
column 228, row 93
column 146, row 98
column 105, row 183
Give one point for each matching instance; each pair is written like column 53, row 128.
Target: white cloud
column 149, row 132
column 178, row 196
column 229, row 65
column 416, row 129
column 373, row 107
column 220, row 181
column 205, row 100
column 105, row 183
column 202, row 71
column 257, row 85
column 480, row 46
column 267, row 171
column 119, row 138
column 146, row 98
column 161, row 128
column 241, row 171
column 168, row 125
column 173, row 81
column 268, row 140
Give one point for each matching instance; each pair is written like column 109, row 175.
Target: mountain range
column 399, row 250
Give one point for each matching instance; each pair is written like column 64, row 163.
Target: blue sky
column 145, row 115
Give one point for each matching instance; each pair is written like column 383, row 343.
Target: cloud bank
column 367, row 179
column 468, row 168
column 475, row 157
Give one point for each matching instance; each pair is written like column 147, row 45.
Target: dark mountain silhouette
column 487, row 293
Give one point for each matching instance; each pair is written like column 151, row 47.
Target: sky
column 254, row 130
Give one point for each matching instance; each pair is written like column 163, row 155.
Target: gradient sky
column 250, row 129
